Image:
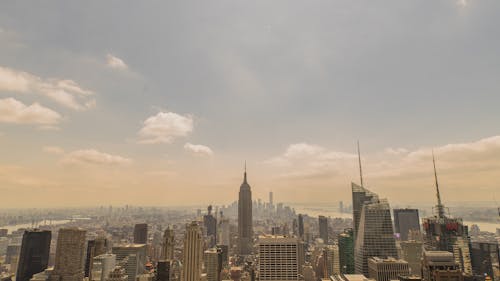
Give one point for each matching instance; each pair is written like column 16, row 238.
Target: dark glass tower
column 323, row 228
column 141, row 233
column 301, row 225
column 245, row 228
column 346, row 251
column 406, row 220
column 34, row 256
column 210, row 223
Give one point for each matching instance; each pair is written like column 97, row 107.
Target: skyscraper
column 69, row 264
column 331, row 260
column 193, row 253
column 323, row 228
column 271, row 203
column 132, row 257
column 486, row 259
column 210, row 223
column 213, row 264
column 34, row 254
column 406, row 220
column 245, row 224
column 141, row 233
column 168, row 244
column 412, row 253
column 280, row 258
column 346, row 251
column 375, row 236
column 301, row 226
column 360, row 196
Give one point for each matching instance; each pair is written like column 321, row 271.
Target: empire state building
column 245, row 228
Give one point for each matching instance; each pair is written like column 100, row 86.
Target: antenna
column 360, row 169
column 439, row 206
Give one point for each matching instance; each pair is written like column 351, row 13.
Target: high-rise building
column 34, row 256
column 404, row 221
column 412, row 253
column 163, row 270
column 95, row 247
column 245, row 223
column 300, row 223
column 280, row 258
column 346, row 251
column 213, row 264
column 440, row 266
column 461, row 252
column 193, row 253
column 118, row 274
column 132, row 257
column 331, row 260
column 375, row 237
column 224, row 231
column 485, row 259
column 141, row 233
column 387, row 269
column 271, row 203
column 323, row 228
column 168, row 244
column 102, row 265
column 360, row 196
column 69, row 263
column 210, row 223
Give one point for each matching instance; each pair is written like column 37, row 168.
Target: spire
column 360, row 169
column 245, row 175
column 439, row 206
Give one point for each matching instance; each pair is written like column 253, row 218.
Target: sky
column 161, row 102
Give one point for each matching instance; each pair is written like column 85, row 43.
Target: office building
column 141, row 233
column 213, row 264
column 280, row 258
column 168, row 244
column 346, row 251
column 375, row 237
column 193, row 253
column 331, row 260
column 245, row 223
column 412, row 253
column 163, row 270
column 300, row 225
column 224, row 231
column 210, row 223
column 323, row 228
column 387, row 269
column 485, row 259
column 406, row 220
column 132, row 257
column 102, row 266
column 34, row 255
column 440, row 266
column 118, row 274
column 69, row 263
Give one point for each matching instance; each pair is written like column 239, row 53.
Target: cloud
column 198, row 149
column 14, row 111
column 164, row 127
column 115, row 62
column 94, row 157
column 53, row 149
column 64, row 92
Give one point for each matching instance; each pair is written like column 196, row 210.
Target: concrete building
column 132, row 257
column 387, row 269
column 213, row 264
column 168, row 244
column 412, row 253
column 331, row 260
column 440, row 266
column 118, row 274
column 70, row 249
column 193, row 253
column 102, row 266
column 280, row 258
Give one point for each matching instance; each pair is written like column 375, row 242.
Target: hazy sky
column 160, row 102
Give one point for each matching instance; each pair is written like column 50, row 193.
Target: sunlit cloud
column 94, row 157
column 164, row 127
column 63, row 91
column 53, row 150
column 16, row 112
column 115, row 62
column 198, row 149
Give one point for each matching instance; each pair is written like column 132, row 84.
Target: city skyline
column 161, row 104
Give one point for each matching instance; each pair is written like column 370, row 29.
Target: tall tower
column 34, row 256
column 69, row 255
column 168, row 244
column 323, row 228
column 210, row 223
column 193, row 253
column 141, row 233
column 271, row 203
column 245, row 228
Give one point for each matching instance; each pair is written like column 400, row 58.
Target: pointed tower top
column 440, row 207
column 245, row 174
column 360, row 169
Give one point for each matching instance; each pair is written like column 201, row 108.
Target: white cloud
column 164, row 127
column 65, row 92
column 92, row 156
column 14, row 111
column 53, row 149
column 115, row 62
column 198, row 149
